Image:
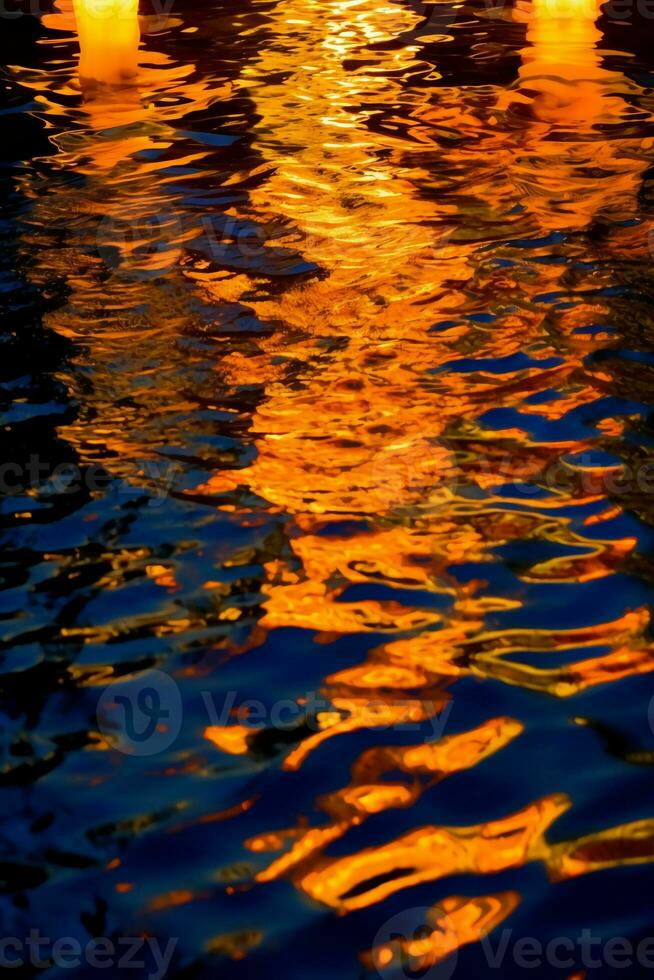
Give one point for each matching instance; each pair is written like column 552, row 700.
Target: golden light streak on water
column 109, row 40
column 373, row 874
column 568, row 92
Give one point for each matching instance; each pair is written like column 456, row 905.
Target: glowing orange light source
column 109, row 38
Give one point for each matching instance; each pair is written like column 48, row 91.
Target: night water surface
column 327, row 363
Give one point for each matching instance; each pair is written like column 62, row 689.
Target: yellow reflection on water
column 430, row 853
column 419, row 766
column 563, row 39
column 563, row 165
column 108, row 38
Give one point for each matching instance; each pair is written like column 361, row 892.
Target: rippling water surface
column 327, row 378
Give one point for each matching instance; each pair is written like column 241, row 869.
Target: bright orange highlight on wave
column 109, row 39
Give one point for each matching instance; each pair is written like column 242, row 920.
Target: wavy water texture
column 333, row 321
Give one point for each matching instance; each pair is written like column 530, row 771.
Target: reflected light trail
column 109, row 39
column 562, row 63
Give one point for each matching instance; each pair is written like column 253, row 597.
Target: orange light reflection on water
column 108, row 38
column 374, row 431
